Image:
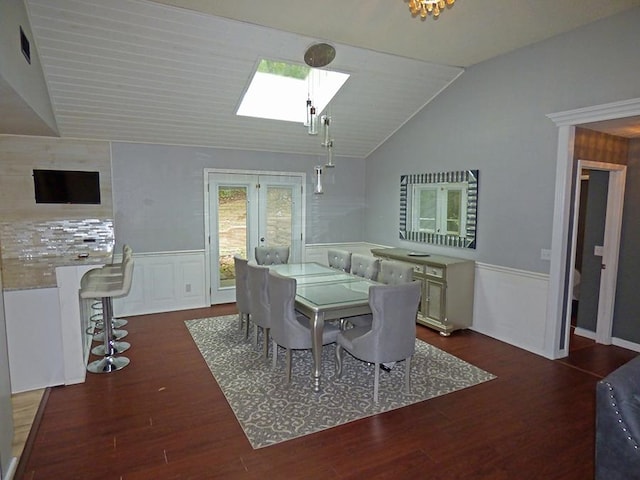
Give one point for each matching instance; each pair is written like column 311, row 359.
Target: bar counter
column 40, row 272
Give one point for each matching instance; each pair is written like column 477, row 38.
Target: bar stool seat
column 107, row 288
column 91, row 281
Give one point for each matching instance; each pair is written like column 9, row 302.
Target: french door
column 247, row 210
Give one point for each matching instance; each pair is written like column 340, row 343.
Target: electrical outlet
column 187, row 288
column 545, row 254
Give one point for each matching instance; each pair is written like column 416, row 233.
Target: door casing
column 555, row 341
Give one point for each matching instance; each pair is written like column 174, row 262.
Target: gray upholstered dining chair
column 365, row 266
column 339, row 259
column 395, row 273
column 392, row 334
column 259, row 303
column 291, row 329
column 272, row 255
column 243, row 303
column 391, row 273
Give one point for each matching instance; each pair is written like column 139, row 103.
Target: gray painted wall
column 494, row 118
column 626, row 322
column 158, row 193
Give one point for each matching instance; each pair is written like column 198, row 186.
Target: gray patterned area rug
column 271, row 411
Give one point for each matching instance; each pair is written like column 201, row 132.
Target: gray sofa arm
column 618, row 424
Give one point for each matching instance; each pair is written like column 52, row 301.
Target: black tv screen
column 66, row 186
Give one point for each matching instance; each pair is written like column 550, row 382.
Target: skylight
column 279, row 91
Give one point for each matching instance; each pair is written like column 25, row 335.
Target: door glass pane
column 232, row 231
column 279, row 215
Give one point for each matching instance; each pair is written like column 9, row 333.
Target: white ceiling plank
column 174, row 71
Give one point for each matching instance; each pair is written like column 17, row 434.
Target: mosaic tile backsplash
column 54, row 238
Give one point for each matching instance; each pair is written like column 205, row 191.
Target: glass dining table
column 325, row 294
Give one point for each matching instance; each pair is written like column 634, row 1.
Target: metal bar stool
column 107, row 288
column 114, row 271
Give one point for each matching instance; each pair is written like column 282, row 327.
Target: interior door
column 247, row 210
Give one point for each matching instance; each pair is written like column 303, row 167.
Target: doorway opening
column 595, row 245
column 560, row 272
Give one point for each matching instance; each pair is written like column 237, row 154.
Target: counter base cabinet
column 33, row 337
column 447, row 288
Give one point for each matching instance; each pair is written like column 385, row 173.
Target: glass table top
column 330, row 294
column 299, row 269
column 324, row 288
column 339, row 277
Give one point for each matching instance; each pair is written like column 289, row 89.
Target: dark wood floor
column 164, row 417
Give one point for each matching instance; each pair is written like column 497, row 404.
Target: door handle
column 262, row 239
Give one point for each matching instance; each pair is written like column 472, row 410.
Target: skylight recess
column 279, row 91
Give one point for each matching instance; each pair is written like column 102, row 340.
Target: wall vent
column 24, row 46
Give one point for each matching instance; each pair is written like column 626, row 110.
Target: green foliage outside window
column 284, row 69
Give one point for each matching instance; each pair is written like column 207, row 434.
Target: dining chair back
column 339, row 259
column 243, row 302
column 258, row 278
column 272, row 255
column 392, row 334
column 365, row 266
column 395, row 273
column 290, row 329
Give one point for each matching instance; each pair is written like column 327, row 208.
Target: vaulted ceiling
column 174, row 71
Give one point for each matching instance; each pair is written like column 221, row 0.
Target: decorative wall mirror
column 439, row 208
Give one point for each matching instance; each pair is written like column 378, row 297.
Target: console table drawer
column 434, row 271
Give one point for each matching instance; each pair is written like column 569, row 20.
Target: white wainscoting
column 167, row 281
column 510, row 305
column 164, row 282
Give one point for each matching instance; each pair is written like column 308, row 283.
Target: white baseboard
column 618, row 342
column 11, row 470
column 582, row 332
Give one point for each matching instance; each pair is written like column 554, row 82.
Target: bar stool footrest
column 117, row 335
column 118, row 347
column 108, row 364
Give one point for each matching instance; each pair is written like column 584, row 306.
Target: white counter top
column 28, row 273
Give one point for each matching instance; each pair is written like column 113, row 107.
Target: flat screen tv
column 67, row 186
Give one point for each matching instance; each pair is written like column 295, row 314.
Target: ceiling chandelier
column 317, row 56
column 429, row 7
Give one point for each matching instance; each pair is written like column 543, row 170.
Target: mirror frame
column 460, row 176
